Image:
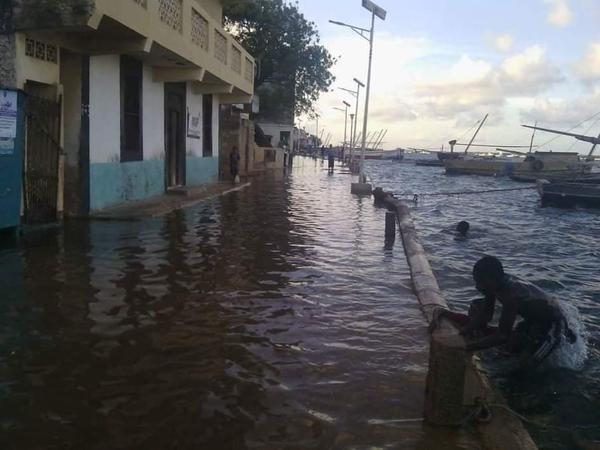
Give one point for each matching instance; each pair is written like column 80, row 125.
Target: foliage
column 293, row 68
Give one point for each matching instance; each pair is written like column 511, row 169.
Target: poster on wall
column 193, row 126
column 8, row 114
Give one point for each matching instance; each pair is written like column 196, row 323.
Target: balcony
column 179, row 38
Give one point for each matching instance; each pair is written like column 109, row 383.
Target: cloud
column 560, row 14
column 502, row 43
column 589, row 67
column 562, row 112
column 477, row 85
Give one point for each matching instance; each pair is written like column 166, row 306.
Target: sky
column 440, row 65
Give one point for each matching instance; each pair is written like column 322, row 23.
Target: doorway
column 175, row 121
column 42, row 159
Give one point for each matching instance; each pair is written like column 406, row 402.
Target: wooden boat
column 391, row 155
column 429, row 163
column 569, row 195
column 534, row 166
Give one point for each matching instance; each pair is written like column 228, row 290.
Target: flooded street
column 270, row 318
column 557, row 249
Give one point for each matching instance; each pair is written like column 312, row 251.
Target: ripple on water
column 557, row 249
column 269, row 318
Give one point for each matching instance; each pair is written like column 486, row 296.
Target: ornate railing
column 171, row 13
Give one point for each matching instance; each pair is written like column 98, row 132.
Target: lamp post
column 381, row 13
column 352, row 131
column 345, row 111
column 354, row 117
column 317, row 132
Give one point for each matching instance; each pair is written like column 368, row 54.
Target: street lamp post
column 380, row 13
column 345, row 111
column 352, row 131
column 359, row 84
column 354, row 117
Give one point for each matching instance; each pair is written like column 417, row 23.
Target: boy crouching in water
column 534, row 338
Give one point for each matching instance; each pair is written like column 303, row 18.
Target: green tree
column 293, row 68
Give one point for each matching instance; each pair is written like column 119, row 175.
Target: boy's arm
column 507, row 320
column 483, row 316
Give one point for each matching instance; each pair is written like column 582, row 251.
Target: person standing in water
column 533, row 339
column 234, row 164
column 331, row 160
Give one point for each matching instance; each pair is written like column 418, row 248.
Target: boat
column 569, row 194
column 529, row 168
column 388, row 155
column 519, row 166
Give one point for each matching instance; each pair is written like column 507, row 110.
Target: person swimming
column 462, row 228
column 533, row 339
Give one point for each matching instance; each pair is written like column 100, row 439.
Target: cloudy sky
column 441, row 65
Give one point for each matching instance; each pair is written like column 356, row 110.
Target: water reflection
column 270, row 318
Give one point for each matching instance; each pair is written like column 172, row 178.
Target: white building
column 129, row 95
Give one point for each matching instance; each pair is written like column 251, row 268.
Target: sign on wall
column 8, row 114
column 194, row 126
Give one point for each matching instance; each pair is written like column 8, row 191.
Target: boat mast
column 381, row 140
column 532, row 138
column 476, row 133
column 593, row 148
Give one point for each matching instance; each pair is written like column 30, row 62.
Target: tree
column 293, row 68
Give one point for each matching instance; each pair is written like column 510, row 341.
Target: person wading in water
column 533, row 339
column 234, row 164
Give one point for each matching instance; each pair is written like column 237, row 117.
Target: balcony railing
column 189, row 19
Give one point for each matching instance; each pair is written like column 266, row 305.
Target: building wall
column 8, row 53
column 34, row 69
column 274, row 129
column 200, row 169
column 153, row 116
column 113, row 182
column 105, row 109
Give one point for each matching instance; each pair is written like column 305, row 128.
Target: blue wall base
column 115, row 183
column 201, row 170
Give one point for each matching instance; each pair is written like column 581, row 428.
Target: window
column 131, row 110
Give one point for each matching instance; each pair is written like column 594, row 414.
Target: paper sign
column 8, row 114
column 194, row 127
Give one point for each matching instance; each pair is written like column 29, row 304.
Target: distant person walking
column 331, row 160
column 322, row 152
column 234, row 164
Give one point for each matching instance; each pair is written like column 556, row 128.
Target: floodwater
column 557, row 249
column 271, row 318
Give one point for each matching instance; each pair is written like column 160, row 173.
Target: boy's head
column 488, row 274
column 463, row 227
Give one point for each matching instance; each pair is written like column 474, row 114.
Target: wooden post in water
column 390, row 226
column 445, row 389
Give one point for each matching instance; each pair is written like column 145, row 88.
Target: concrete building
column 282, row 134
column 122, row 97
